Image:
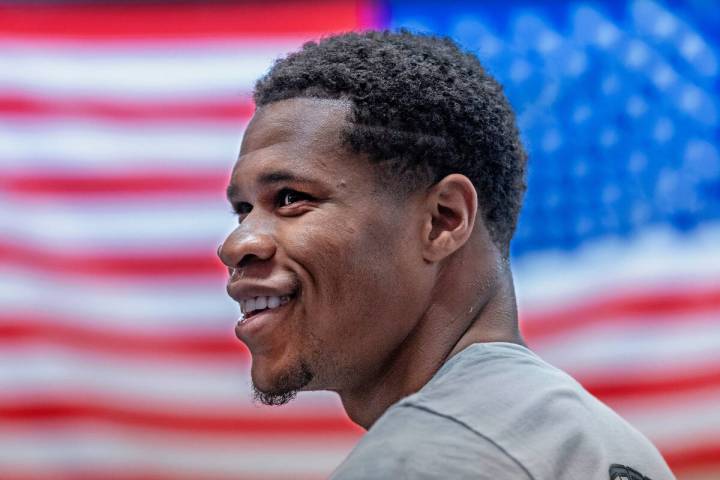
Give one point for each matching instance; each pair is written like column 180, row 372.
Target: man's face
column 336, row 256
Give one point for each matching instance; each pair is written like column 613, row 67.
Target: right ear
column 450, row 210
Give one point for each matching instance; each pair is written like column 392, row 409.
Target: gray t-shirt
column 497, row 411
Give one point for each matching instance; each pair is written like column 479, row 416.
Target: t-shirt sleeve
column 414, row 443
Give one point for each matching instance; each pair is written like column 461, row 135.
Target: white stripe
column 153, row 70
column 85, row 446
column 181, row 222
column 71, row 144
column 183, row 303
column 654, row 257
column 665, row 341
column 148, row 306
column 206, row 386
column 690, row 419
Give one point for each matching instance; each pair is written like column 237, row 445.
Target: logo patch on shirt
column 621, row 472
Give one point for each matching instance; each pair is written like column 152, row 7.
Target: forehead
column 299, row 135
column 301, row 121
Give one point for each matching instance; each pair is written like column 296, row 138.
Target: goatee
column 286, row 387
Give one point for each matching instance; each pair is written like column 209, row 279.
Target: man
column 377, row 189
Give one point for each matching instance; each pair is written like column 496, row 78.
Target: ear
column 451, row 210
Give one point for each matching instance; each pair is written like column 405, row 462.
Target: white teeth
column 261, row 303
column 249, row 305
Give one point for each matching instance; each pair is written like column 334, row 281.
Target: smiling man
column 377, row 188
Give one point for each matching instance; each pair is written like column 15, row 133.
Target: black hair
column 421, row 109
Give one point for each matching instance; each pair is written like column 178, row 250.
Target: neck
column 452, row 322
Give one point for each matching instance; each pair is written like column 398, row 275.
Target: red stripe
column 650, row 308
column 181, row 20
column 235, row 109
column 136, row 473
column 704, row 456
column 679, row 458
column 170, row 264
column 664, row 384
column 16, row 329
column 84, row 408
column 128, row 183
column 617, row 386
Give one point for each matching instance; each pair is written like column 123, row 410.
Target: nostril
column 247, row 259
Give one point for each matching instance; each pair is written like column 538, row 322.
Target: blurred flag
column 118, row 128
column 617, row 253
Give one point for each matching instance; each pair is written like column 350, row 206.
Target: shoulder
column 415, row 442
column 540, row 416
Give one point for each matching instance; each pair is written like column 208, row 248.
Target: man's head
column 358, row 185
column 421, row 108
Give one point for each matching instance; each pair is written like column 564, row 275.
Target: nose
column 243, row 247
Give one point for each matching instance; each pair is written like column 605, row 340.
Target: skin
column 387, row 289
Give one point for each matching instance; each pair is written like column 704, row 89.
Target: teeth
column 249, row 305
column 261, row 303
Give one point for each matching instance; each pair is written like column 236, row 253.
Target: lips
column 258, row 329
column 262, row 304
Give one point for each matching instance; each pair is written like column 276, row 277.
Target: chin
column 278, row 388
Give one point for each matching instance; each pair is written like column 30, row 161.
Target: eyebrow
column 270, row 178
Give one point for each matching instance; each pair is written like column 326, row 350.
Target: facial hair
column 286, row 387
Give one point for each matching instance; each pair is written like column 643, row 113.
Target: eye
column 288, row 196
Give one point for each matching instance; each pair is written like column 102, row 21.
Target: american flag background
column 119, row 123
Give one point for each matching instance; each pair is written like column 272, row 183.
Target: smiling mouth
column 256, row 305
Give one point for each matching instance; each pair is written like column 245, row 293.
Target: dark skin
column 383, row 290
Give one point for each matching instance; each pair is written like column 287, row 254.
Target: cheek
column 358, row 274
column 339, row 258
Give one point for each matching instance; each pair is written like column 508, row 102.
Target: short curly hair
column 421, row 109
